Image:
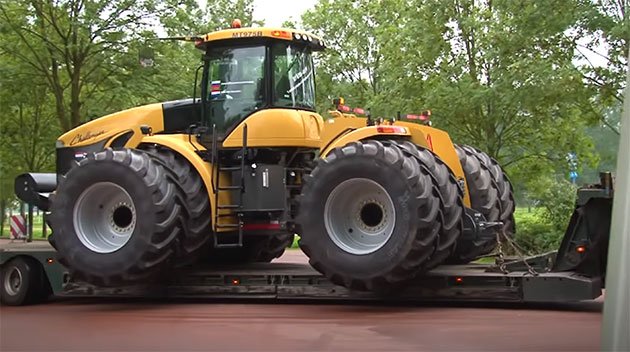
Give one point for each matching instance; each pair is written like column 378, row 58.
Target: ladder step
column 229, row 206
column 231, row 168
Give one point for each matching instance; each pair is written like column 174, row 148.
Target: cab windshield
column 235, row 84
column 294, row 84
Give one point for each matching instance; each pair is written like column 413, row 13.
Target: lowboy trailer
column 30, row 272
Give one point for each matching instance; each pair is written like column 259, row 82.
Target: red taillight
column 580, row 249
column 262, row 226
column 391, row 129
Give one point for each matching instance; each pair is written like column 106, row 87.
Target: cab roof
column 237, row 35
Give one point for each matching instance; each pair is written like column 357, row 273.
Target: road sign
column 18, row 227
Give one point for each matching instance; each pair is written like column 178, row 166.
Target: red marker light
column 50, row 261
column 391, row 129
column 343, row 108
column 459, row 280
column 236, row 282
column 580, row 249
column 358, row 111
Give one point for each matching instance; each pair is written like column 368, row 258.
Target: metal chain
column 501, row 258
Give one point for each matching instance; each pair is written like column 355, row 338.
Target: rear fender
column 433, row 139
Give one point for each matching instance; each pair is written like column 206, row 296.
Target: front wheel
column 116, row 218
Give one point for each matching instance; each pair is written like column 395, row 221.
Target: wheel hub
column 104, row 217
column 13, row 281
column 359, row 216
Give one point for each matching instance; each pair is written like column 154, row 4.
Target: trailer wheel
column 116, row 218
column 506, row 192
column 22, row 282
column 484, row 198
column 452, row 203
column 196, row 211
column 369, row 216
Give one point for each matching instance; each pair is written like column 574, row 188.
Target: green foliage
column 534, row 233
column 541, row 229
column 557, row 200
column 499, row 75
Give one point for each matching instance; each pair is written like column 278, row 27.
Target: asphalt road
column 134, row 325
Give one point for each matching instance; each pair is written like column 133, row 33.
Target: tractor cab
column 246, row 70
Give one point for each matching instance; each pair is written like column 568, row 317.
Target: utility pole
column 616, row 323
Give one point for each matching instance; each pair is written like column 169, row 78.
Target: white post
column 616, row 323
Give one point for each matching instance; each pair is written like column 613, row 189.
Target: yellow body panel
column 182, row 145
column 359, row 134
column 278, row 128
column 440, row 143
column 116, row 124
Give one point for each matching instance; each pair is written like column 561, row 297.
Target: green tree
column 602, row 43
column 67, row 44
column 497, row 74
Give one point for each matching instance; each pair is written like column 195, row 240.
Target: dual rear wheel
column 371, row 215
column 390, row 210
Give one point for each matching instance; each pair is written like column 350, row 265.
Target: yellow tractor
column 231, row 176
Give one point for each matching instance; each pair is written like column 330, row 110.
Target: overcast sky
column 274, row 12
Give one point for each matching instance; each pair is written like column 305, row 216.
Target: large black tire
column 256, row 249
column 506, row 192
column 484, row 198
column 196, row 210
column 414, row 203
column 22, row 281
column 452, row 203
column 151, row 232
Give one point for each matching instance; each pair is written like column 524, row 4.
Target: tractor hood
column 124, row 129
column 171, row 117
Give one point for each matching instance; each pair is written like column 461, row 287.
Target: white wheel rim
column 104, row 217
column 359, row 216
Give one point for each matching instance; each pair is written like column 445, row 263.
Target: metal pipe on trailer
column 616, row 323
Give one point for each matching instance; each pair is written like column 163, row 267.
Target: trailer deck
column 297, row 281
